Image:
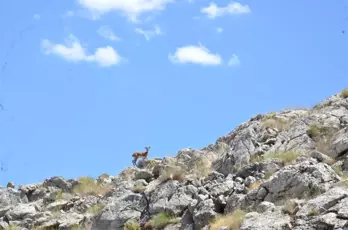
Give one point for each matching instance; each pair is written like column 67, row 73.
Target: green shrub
column 132, row 225
column 95, row 209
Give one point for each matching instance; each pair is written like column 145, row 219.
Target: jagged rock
column 143, row 174
column 57, row 205
column 234, row 202
column 59, row 182
column 9, row 196
column 181, row 199
column 273, row 219
column 294, row 181
column 339, row 144
column 321, row 157
column 20, row 211
column 323, row 202
column 203, row 213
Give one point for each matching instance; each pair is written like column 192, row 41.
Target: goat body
column 142, row 155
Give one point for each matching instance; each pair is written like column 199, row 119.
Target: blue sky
column 85, row 83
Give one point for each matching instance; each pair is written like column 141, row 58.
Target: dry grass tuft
column 255, row 185
column 279, row 124
column 88, row 186
column 344, row 93
column 172, row 173
column 139, row 189
column 285, row 157
column 160, row 221
column 231, row 220
column 95, row 209
column 132, row 225
column 202, row 168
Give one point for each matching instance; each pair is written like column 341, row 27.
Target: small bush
column 344, row 93
column 202, row 168
column 161, row 220
column 279, row 124
column 172, row 173
column 313, row 212
column 14, row 227
column 95, row 209
column 285, row 157
column 138, row 189
column 255, row 185
column 59, row 195
column 314, row 131
column 132, row 225
column 88, row 186
column 268, row 175
column 231, row 220
column 290, row 207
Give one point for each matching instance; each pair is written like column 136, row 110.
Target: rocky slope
column 283, row 170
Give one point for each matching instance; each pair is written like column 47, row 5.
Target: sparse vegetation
column 313, row 212
column 279, row 124
column 13, row 227
column 290, row 207
column 132, row 225
column 95, row 209
column 59, row 195
column 344, row 93
column 255, row 185
column 202, row 167
column 172, row 173
column 138, row 189
column 316, row 132
column 160, row 220
column 88, row 186
column 232, row 220
column 268, row 175
column 285, row 157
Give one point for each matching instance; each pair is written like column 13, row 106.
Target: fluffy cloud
column 213, row 11
column 149, row 33
column 195, row 54
column 131, row 8
column 107, row 33
column 234, row 60
column 73, row 51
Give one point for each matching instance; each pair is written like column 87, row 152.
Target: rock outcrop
column 285, row 170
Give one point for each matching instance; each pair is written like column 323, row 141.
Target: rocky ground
column 283, row 170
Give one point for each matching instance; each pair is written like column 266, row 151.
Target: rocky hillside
column 276, row 171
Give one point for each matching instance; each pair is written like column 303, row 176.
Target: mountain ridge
column 281, row 170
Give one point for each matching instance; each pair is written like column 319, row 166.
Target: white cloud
column 36, row 16
column 213, row 11
column 84, row 13
column 131, row 8
column 219, row 30
column 234, row 60
column 149, row 33
column 107, row 33
column 74, row 52
column 195, row 54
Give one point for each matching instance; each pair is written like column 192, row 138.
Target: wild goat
column 143, row 155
